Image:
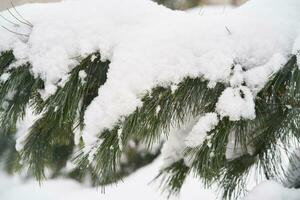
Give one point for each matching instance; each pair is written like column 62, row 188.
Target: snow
column 192, row 134
column 199, row 132
column 82, row 75
column 23, row 127
column 120, row 144
column 173, row 148
column 148, row 46
column 211, row 10
column 296, row 49
column 4, row 77
column 234, row 148
column 137, row 186
column 271, row 190
column 236, row 103
column 151, row 45
column 209, row 56
column 257, row 77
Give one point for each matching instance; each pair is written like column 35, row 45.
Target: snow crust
column 150, row 45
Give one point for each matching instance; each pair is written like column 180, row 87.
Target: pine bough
column 218, row 128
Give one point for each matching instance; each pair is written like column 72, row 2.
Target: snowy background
column 136, row 187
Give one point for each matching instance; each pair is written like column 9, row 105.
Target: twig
column 27, row 22
column 21, row 34
column 15, row 24
column 224, row 8
column 230, row 33
column 18, row 18
column 202, row 10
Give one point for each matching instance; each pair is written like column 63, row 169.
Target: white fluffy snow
column 150, row 45
column 173, row 148
column 236, row 103
column 271, row 190
column 4, row 77
column 258, row 76
column 136, row 187
column 23, row 127
column 192, row 134
column 199, row 132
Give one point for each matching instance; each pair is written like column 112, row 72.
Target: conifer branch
column 55, row 129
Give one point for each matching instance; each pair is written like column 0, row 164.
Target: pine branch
column 191, row 98
column 8, row 154
column 173, row 177
column 17, row 92
column 6, row 58
column 276, row 108
column 232, row 180
column 55, row 129
column 277, row 116
column 209, row 158
column 277, row 119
